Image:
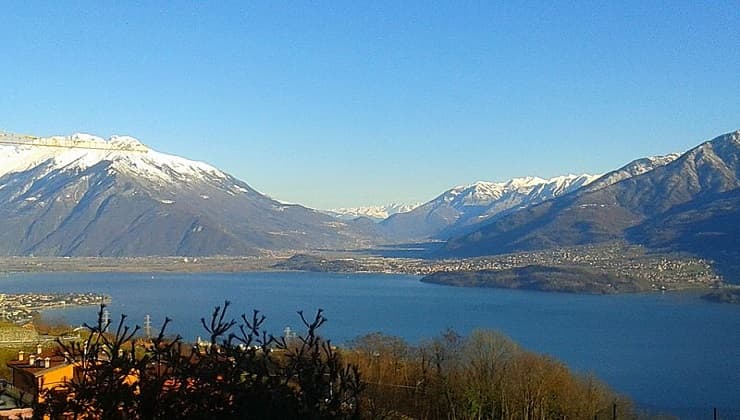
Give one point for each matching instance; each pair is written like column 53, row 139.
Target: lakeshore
column 604, row 268
column 616, row 336
column 134, row 264
column 20, row 308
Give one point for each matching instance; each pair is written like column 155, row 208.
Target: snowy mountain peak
column 525, row 182
column 84, row 137
column 461, row 207
column 373, row 212
column 80, row 151
column 82, row 195
column 735, row 138
column 634, row 168
column 127, row 142
column 661, row 160
column 83, row 140
column 483, row 193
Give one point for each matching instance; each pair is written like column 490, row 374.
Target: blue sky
column 350, row 103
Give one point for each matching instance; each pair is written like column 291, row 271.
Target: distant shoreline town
column 19, row 308
column 600, row 269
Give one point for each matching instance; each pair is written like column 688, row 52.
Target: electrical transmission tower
column 147, row 326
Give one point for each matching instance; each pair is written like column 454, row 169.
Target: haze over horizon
column 354, row 105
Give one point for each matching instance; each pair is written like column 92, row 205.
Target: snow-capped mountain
column 83, row 195
column 685, row 203
column 488, row 194
column 376, row 213
column 78, row 152
column 457, row 209
column 634, row 168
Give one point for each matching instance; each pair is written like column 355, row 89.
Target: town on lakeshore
column 633, row 267
column 20, row 308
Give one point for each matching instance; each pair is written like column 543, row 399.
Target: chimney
column 38, row 349
column 20, row 355
column 31, row 359
column 47, row 362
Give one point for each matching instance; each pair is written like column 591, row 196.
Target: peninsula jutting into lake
column 607, row 268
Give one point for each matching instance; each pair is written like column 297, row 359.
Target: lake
column 673, row 352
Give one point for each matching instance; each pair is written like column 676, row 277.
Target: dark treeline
column 243, row 372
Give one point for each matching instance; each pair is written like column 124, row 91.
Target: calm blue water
column 670, row 351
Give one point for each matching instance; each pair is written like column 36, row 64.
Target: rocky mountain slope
column 689, row 203
column 634, row 168
column 463, row 207
column 85, row 196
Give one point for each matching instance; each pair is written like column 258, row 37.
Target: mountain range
column 687, row 202
column 463, row 207
column 375, row 213
column 81, row 195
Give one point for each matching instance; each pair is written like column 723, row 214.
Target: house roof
column 38, row 369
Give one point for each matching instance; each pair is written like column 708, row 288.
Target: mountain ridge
column 626, row 209
column 466, row 205
column 82, row 195
column 376, row 213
